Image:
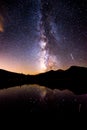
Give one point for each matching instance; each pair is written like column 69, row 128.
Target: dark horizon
column 44, row 71
column 74, row 79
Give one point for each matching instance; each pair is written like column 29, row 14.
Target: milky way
column 48, row 60
column 38, row 35
column 49, row 39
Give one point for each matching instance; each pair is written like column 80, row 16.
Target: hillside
column 74, row 78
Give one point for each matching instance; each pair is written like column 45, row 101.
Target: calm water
column 34, row 98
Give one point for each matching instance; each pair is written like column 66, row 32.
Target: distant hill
column 8, row 79
column 71, row 73
column 74, row 78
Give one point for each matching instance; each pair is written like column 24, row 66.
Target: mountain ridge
column 59, row 70
column 74, row 78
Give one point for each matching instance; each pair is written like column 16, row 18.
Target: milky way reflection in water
column 36, row 98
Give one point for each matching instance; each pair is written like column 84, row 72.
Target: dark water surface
column 35, row 99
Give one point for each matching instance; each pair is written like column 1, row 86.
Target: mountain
column 74, row 78
column 73, row 71
column 9, row 79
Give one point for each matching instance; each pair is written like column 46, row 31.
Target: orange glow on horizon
column 14, row 65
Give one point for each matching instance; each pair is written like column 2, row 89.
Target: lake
column 40, row 99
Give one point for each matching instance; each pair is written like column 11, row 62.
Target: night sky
column 40, row 35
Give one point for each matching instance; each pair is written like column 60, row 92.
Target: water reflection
column 32, row 90
column 34, row 98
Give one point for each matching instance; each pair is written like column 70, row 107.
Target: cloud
column 1, row 23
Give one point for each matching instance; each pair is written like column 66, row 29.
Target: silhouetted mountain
column 72, row 72
column 8, row 79
column 74, row 78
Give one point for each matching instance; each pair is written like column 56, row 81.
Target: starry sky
column 40, row 35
